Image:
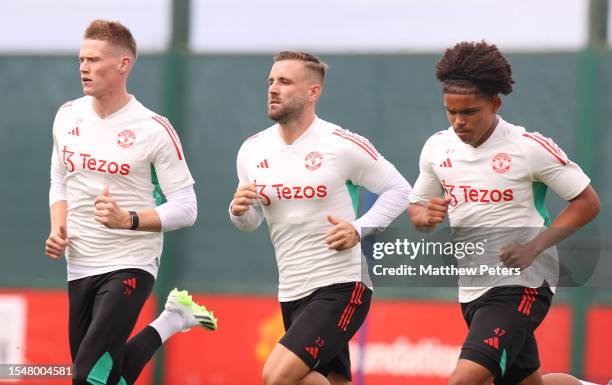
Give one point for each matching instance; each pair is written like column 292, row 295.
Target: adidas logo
column 74, row 131
column 493, row 341
column 313, row 351
column 129, row 285
column 447, row 163
column 263, row 164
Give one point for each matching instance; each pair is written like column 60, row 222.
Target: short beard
column 280, row 116
column 284, row 115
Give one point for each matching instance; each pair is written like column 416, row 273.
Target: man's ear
column 126, row 62
column 315, row 91
column 497, row 103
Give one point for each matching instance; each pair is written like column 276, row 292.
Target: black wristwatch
column 134, row 218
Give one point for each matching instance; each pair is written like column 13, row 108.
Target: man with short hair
column 112, row 158
column 495, row 174
column 302, row 174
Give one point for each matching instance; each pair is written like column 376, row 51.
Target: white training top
column 299, row 185
column 501, row 183
column 134, row 152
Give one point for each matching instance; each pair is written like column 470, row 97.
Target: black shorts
column 103, row 310
column 501, row 326
column 318, row 327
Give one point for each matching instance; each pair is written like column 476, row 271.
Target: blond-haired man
column 111, row 160
column 302, row 174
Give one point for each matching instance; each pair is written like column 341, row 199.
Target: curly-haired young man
column 495, row 175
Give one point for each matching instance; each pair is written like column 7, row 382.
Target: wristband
column 134, row 219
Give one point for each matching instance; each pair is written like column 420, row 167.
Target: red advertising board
column 598, row 345
column 39, row 328
column 402, row 342
column 419, row 342
column 249, row 327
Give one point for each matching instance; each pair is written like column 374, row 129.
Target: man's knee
column 460, row 379
column 273, row 374
column 273, row 377
column 283, row 367
column 338, row 379
column 466, row 379
column 470, row 373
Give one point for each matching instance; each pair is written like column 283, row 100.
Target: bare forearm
column 179, row 211
column 580, row 211
column 148, row 220
column 58, row 214
column 248, row 221
column 56, row 243
column 418, row 216
column 416, row 213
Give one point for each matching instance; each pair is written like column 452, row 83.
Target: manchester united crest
column 501, row 163
column 126, row 138
column 313, row 160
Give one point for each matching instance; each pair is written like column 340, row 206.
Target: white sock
column 167, row 324
column 586, row 383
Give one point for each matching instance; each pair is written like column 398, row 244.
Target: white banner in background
column 386, row 25
column 255, row 26
column 13, row 314
column 57, row 26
